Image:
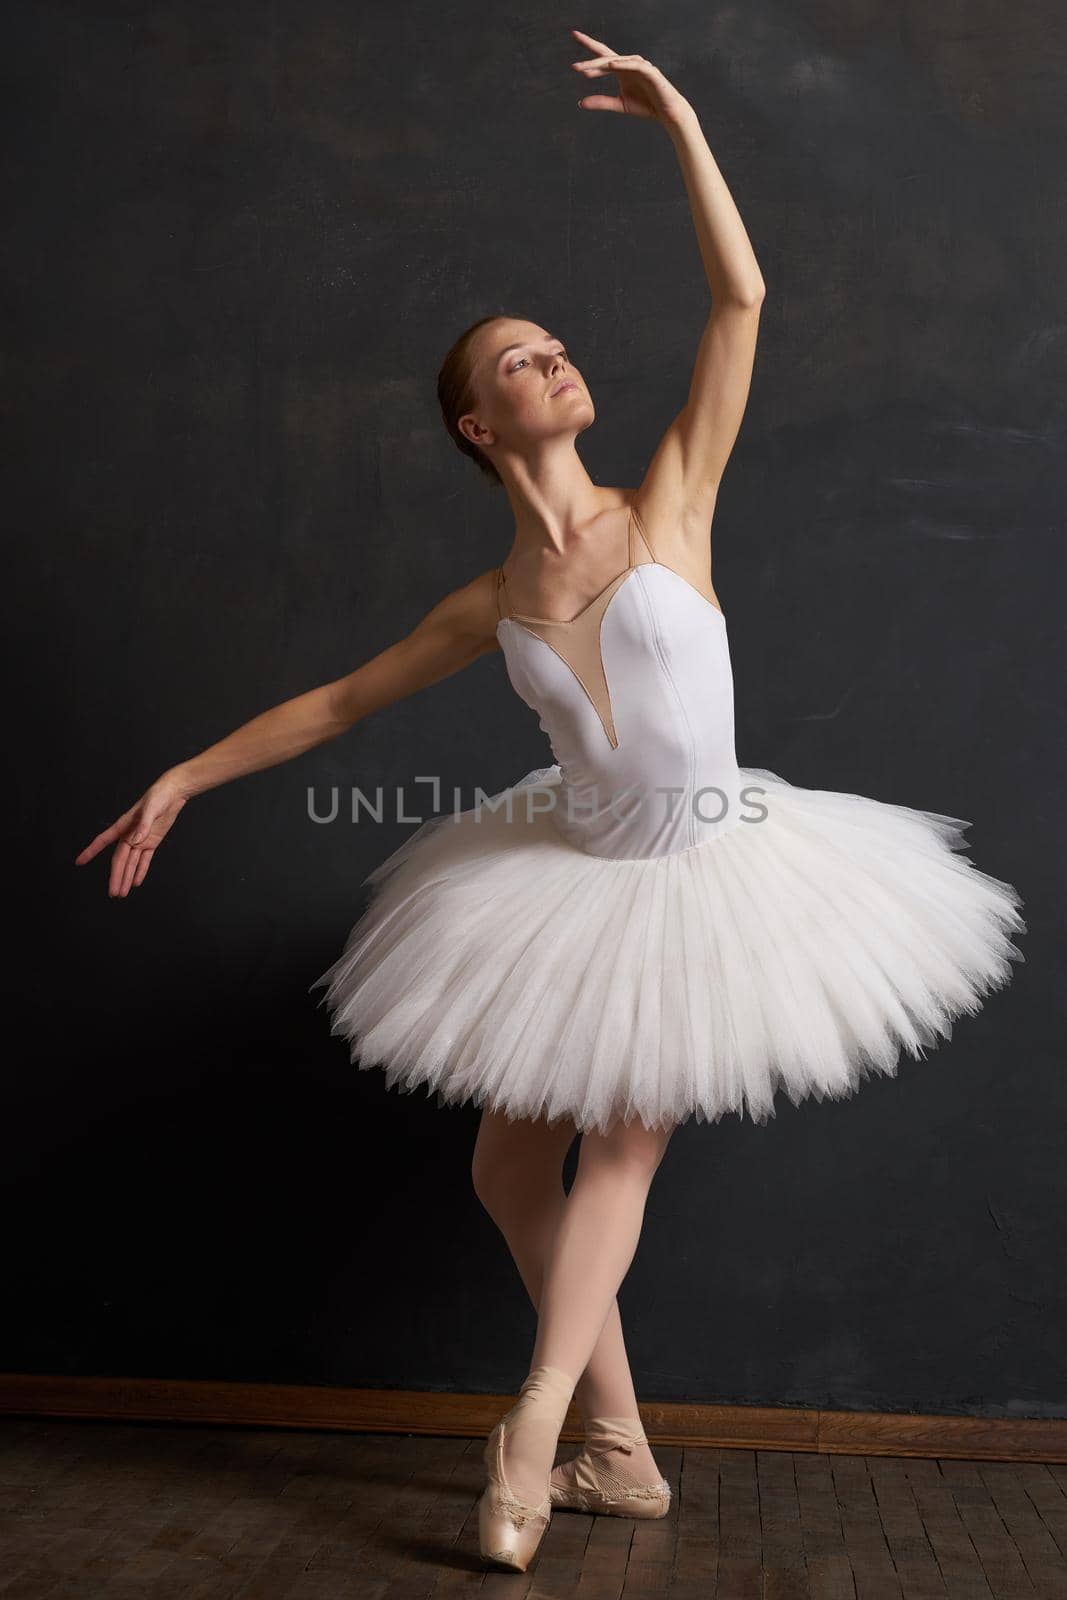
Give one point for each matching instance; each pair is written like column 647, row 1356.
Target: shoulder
column 468, row 614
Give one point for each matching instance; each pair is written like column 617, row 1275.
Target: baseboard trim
column 270, row 1405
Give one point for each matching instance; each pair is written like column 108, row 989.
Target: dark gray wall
column 242, row 237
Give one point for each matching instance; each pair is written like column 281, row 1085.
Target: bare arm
column 458, row 630
column 693, row 453
column 681, row 485
column 450, row 636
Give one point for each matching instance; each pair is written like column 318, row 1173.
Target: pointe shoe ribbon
column 589, row 1483
column 601, row 1435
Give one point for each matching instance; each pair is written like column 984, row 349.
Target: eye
column 517, row 364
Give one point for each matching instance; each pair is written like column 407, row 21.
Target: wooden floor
column 148, row 1511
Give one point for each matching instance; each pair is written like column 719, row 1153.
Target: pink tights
column 572, row 1250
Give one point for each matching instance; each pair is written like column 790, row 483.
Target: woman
column 576, row 968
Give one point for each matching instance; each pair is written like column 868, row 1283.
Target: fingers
column 636, row 103
column 613, row 64
column 128, row 868
column 601, row 102
column 118, row 868
column 105, row 838
column 594, row 44
column 132, row 863
column 152, row 815
column 123, row 866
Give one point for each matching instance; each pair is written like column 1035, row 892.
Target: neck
column 553, row 500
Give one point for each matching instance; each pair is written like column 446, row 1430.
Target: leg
column 595, row 1242
column 518, row 1176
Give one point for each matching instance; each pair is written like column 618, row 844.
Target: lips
column 568, row 383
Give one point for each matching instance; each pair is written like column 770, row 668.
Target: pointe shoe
column 509, row 1529
column 587, row 1483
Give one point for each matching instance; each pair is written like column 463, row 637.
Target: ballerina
column 643, row 930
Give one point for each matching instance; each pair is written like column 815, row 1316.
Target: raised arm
column 692, row 456
column 681, row 485
column 458, row 630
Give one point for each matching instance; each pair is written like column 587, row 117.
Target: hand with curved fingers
column 139, row 832
column 643, row 89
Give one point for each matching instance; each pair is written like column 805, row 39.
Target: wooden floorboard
column 173, row 1512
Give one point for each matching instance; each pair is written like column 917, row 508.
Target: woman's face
column 528, row 390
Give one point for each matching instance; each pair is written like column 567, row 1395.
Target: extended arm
column 450, row 636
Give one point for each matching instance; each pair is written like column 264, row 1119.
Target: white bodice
column 670, row 781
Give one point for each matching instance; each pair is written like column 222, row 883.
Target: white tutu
column 499, row 964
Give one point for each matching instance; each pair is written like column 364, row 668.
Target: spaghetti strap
column 635, row 516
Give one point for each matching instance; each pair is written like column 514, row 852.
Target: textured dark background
column 241, row 238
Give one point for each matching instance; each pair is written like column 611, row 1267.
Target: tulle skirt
column 498, row 964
